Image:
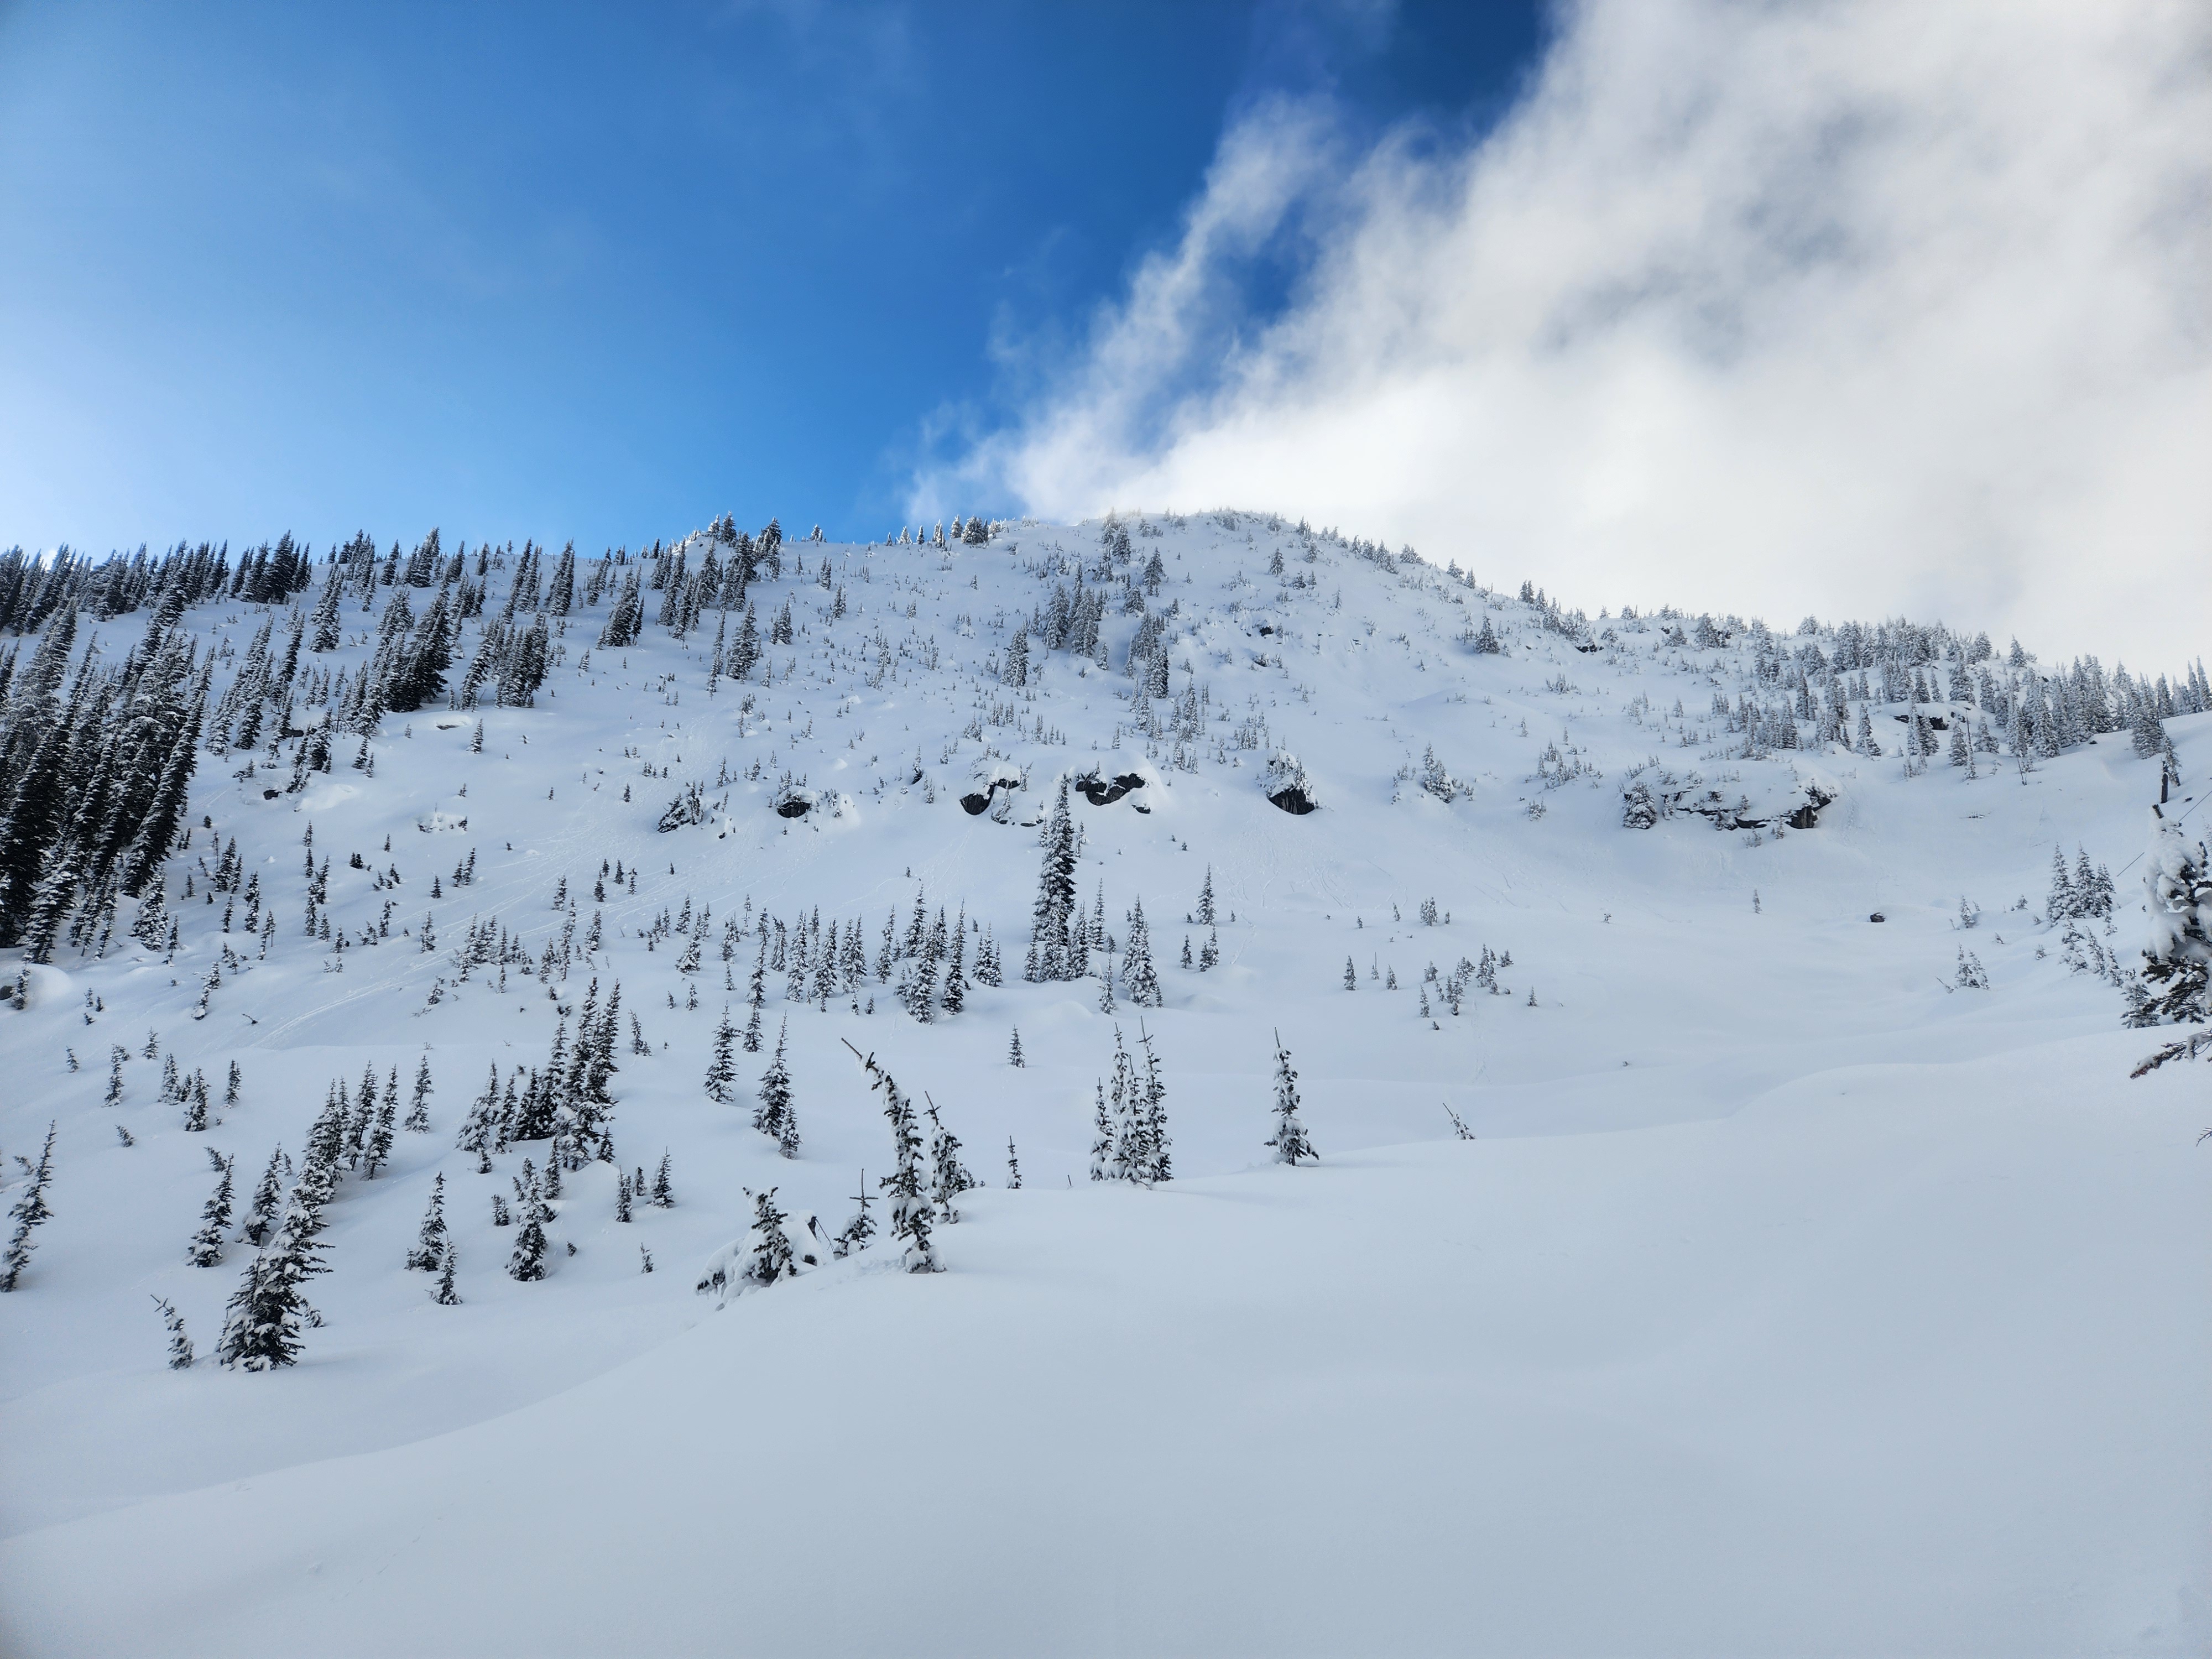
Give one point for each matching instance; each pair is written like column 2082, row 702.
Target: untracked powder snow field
column 1730, row 1224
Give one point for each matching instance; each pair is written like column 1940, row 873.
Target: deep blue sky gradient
column 563, row 270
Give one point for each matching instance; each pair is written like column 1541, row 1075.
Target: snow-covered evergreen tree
column 206, row 1248
column 432, row 1241
column 1102, row 1136
column 756, row 994
column 376, row 1150
column 2178, row 957
column 29, row 1213
column 722, row 1069
column 1290, row 1141
column 2093, row 887
column 180, row 1345
column 774, row 1117
column 912, row 1221
column 861, row 1228
column 921, row 981
column 954, row 994
column 527, row 1263
column 2061, row 903
column 1138, row 974
column 480, row 1128
column 771, row 1256
column 1049, row 942
column 418, row 1109
column 194, row 1096
column 265, row 1314
column 1149, row 1159
column 2148, row 734
column 949, row 1177
column 267, row 1199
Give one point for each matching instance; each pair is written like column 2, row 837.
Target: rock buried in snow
column 1807, row 817
column 1100, row 793
column 1286, row 784
column 794, row 801
column 1659, row 794
column 993, row 780
column 1877, row 916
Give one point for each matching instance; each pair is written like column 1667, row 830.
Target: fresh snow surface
column 1791, row 1299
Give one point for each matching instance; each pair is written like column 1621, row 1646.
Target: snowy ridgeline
column 470, row 980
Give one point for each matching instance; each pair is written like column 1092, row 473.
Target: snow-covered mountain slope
column 1813, row 1282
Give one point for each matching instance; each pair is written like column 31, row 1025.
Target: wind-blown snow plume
column 1861, row 306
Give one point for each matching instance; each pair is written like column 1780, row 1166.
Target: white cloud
column 1858, row 309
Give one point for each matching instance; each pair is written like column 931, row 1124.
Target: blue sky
column 603, row 272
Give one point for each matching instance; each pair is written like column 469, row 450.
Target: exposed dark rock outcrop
column 1101, row 793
